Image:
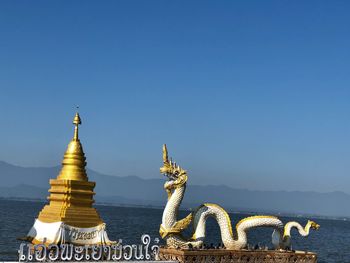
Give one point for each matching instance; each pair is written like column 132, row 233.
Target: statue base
column 233, row 256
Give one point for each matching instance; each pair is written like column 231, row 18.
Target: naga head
column 313, row 225
column 175, row 174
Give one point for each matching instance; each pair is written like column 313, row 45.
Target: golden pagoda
column 70, row 210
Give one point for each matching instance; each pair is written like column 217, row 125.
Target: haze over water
column 331, row 241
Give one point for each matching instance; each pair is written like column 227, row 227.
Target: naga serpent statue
column 285, row 242
column 171, row 228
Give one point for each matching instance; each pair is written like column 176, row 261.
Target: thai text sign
column 70, row 252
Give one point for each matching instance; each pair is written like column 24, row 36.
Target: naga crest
column 175, row 174
column 313, row 225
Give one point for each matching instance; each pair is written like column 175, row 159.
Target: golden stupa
column 69, row 217
column 71, row 193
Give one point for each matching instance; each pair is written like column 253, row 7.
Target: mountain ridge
column 33, row 182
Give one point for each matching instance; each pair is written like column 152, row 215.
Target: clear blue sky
column 252, row 94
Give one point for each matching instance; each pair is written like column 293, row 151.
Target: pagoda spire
column 76, row 122
column 74, row 161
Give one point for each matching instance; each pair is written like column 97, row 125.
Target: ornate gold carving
column 170, row 167
column 178, row 227
column 183, row 223
column 173, row 171
column 313, row 224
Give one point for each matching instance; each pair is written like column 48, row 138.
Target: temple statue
column 235, row 244
column 70, row 217
column 172, row 228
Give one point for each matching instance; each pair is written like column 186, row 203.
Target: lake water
column 331, row 242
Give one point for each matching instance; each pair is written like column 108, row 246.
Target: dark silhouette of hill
column 33, row 183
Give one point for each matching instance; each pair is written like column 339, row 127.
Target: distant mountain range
column 33, row 183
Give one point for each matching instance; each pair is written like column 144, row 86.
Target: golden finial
column 165, row 154
column 76, row 122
